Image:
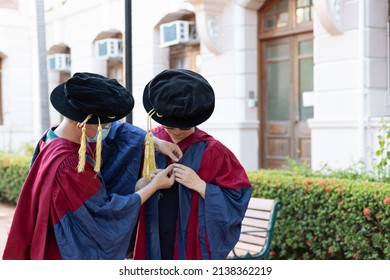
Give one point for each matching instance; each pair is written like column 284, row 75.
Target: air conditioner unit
column 59, row 62
column 110, row 47
column 178, row 32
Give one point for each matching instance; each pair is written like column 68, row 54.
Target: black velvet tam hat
column 89, row 93
column 179, row 98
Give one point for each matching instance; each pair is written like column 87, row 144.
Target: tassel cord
column 149, row 158
column 83, row 145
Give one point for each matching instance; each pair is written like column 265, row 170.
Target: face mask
column 105, row 132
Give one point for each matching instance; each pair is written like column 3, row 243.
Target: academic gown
column 205, row 228
column 63, row 214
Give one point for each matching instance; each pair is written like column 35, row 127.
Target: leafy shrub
column 13, row 172
column 383, row 152
column 327, row 218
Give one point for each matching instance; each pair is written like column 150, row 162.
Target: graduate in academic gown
column 78, row 200
column 200, row 216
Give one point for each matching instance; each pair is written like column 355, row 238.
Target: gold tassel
column 83, row 147
column 149, row 159
column 98, row 152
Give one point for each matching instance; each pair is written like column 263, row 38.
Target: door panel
column 276, row 104
column 305, row 84
column 286, row 72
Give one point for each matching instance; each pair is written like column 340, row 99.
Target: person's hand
column 141, row 183
column 163, row 179
column 187, row 177
column 169, row 149
column 160, row 179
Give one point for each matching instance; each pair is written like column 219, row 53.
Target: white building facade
column 300, row 79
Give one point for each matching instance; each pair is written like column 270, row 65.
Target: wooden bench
column 257, row 230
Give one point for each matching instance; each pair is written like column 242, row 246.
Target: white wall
column 17, row 81
column 344, row 107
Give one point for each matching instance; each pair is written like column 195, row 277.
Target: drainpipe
column 362, row 81
column 129, row 53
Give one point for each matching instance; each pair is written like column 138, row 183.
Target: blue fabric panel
column 229, row 206
column 122, row 157
column 88, row 232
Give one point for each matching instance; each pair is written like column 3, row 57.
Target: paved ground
column 6, row 214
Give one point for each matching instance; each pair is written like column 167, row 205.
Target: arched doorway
column 182, row 55
column 60, row 61
column 285, row 76
column 109, row 47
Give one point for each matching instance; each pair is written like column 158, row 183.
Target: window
column 285, row 16
column 186, row 54
column 276, row 16
column 304, row 11
column 185, row 57
column 109, row 47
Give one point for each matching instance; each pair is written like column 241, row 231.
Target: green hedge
column 13, row 172
column 326, row 219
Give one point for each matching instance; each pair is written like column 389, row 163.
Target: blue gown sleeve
column 89, row 222
column 227, row 195
column 224, row 210
column 100, row 229
column 122, row 157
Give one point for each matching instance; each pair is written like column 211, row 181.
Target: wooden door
column 286, row 73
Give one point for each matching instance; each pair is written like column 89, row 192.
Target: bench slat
column 248, row 247
column 252, row 213
column 262, row 233
column 240, row 252
column 261, row 204
column 260, row 216
column 251, row 239
column 255, row 223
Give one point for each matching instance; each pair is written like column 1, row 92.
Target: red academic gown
column 63, row 214
column 205, row 228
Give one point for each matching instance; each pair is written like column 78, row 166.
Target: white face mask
column 105, row 132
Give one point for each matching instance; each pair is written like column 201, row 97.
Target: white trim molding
column 209, row 22
column 251, row 4
column 329, row 13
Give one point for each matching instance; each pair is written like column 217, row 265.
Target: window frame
column 292, row 26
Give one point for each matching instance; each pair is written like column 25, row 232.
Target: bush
column 327, row 218
column 13, row 172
